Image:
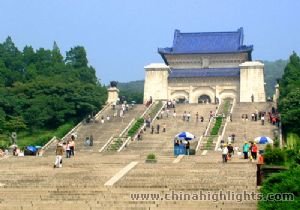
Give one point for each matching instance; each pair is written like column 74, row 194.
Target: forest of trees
column 286, row 181
column 289, row 101
column 42, row 90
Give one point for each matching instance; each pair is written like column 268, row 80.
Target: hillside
column 273, row 71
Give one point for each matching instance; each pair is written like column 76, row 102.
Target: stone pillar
column 113, row 94
column 276, row 95
column 156, row 81
column 252, row 82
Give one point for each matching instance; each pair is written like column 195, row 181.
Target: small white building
column 206, row 67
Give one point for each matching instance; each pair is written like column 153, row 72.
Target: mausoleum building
column 206, row 67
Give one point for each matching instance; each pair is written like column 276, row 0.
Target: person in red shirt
column 254, row 150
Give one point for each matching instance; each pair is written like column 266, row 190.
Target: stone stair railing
column 152, row 120
column 216, row 139
column 153, row 105
column 227, row 119
column 120, row 141
column 53, row 139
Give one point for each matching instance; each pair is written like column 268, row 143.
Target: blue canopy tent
column 180, row 148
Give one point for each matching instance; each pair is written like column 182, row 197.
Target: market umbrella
column 263, row 140
column 31, row 148
column 185, row 136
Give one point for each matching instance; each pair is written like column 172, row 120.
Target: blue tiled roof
column 213, row 72
column 207, row 42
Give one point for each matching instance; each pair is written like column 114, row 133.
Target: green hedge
column 274, row 156
column 136, row 126
column 151, row 156
column 216, row 128
column 155, row 109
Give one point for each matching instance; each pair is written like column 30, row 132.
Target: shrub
column 216, row 128
column 151, row 156
column 133, row 130
column 283, row 182
column 274, row 157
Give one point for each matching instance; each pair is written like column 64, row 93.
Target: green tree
column 77, row 57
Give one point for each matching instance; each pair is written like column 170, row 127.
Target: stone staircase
column 32, row 182
column 209, row 141
column 248, row 130
column 162, row 143
column 102, row 131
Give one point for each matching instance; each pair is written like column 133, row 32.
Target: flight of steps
column 163, row 143
column 31, row 183
column 209, row 141
column 249, row 129
column 102, row 132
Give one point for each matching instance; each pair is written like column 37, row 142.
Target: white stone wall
column 156, row 82
column 206, row 61
column 192, row 88
column 252, row 82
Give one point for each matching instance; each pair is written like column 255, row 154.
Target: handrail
column 142, row 128
column 211, row 119
column 102, row 110
column 73, row 129
column 127, row 127
column 48, row 143
column 106, row 144
column 199, row 142
column 124, row 144
column 224, row 128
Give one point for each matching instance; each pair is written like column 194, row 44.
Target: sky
column 122, row 36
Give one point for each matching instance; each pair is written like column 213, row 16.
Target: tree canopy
column 42, row 89
column 289, row 101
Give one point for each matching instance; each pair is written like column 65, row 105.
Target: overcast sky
column 122, row 36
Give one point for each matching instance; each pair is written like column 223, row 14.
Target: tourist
column 187, row 148
column 230, row 151
column 91, row 140
column 72, row 145
column 102, row 119
column 252, row 98
column 168, row 112
column 164, row 127
column 152, row 129
column 68, row 150
column 254, row 150
column 108, row 118
column 139, row 136
column 246, row 117
column 246, row 150
column 232, row 138
column 252, row 117
column 202, row 119
column 184, row 116
column 197, row 117
column 174, row 113
column 157, row 128
column 262, row 120
column 229, row 140
column 162, row 113
column 188, row 117
column 59, row 153
column 224, row 153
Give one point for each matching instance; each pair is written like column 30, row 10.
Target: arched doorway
column 204, row 99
